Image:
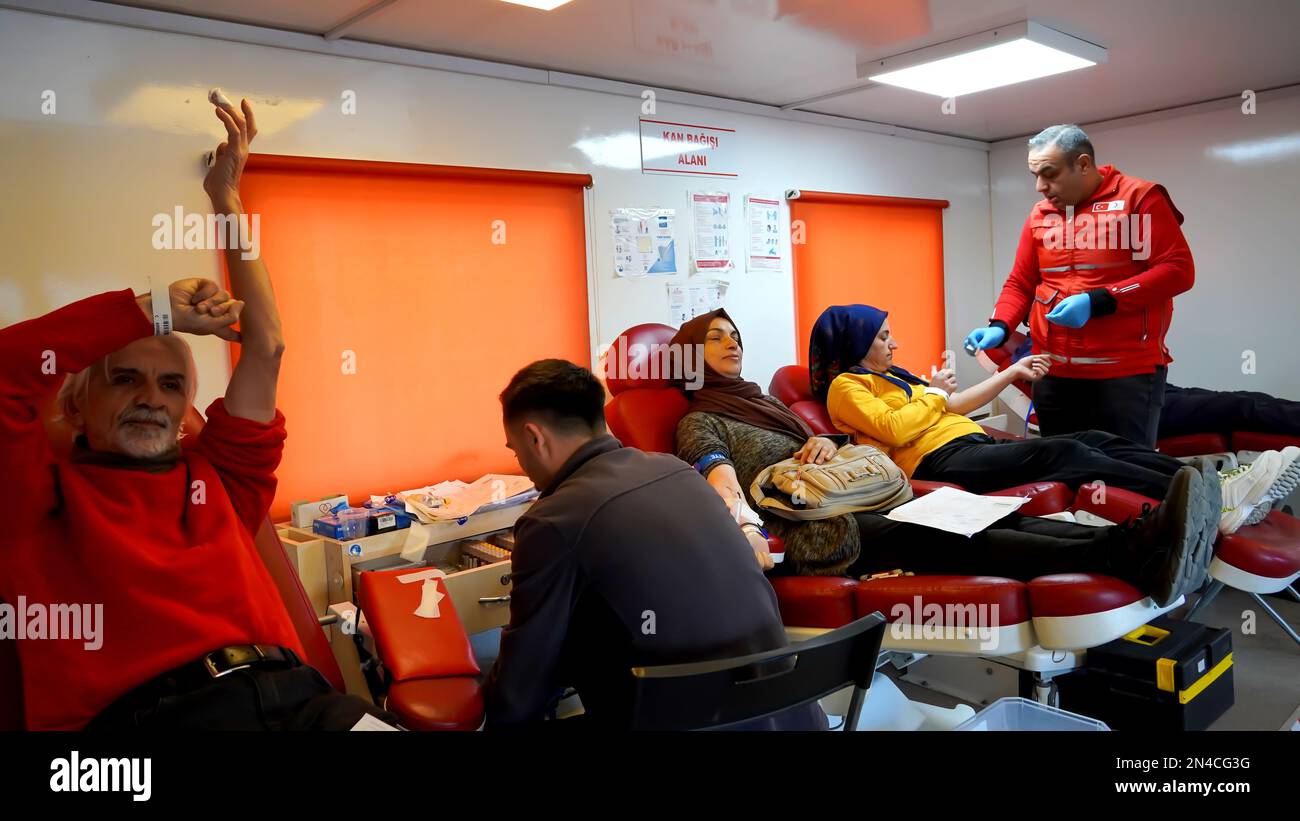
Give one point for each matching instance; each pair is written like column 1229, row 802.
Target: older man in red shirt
column 1101, row 258
column 155, row 537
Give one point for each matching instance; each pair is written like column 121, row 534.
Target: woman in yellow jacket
column 922, row 427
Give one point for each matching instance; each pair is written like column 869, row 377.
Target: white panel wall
column 131, row 121
column 1236, row 178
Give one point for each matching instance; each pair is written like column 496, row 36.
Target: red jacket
column 176, row 579
column 1124, row 248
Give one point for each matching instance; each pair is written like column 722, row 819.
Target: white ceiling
column 1163, row 53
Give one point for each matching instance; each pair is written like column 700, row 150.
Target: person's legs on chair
column 1197, row 410
column 1126, row 450
column 1157, row 553
column 981, row 465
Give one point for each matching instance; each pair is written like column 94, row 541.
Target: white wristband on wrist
column 162, row 309
column 939, row 391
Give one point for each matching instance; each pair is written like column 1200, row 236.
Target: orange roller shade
column 881, row 251
column 409, row 296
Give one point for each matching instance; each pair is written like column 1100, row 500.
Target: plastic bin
column 1020, row 714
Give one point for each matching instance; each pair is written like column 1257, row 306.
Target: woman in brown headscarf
column 734, row 430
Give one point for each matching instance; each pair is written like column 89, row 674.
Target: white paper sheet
column 956, row 511
column 685, row 302
column 368, row 723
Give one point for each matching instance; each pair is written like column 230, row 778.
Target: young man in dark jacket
column 626, row 559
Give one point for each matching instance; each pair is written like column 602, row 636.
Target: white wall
column 1236, row 178
column 131, row 121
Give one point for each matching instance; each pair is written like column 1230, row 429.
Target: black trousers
column 1016, row 547
column 1128, row 406
column 981, row 464
column 298, row 698
column 1197, row 410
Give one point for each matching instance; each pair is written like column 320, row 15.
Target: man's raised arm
column 251, row 392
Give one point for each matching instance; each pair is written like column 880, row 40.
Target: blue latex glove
column 984, row 338
column 1072, row 312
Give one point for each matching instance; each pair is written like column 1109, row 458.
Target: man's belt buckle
column 210, row 664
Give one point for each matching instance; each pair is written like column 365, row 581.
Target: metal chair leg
column 855, row 709
column 1295, row 594
column 1286, row 628
column 1206, row 598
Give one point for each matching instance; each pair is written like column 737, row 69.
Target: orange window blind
column 409, row 295
column 881, row 251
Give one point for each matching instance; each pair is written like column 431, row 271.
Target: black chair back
column 721, row 694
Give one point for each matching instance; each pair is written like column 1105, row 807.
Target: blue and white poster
column 644, row 241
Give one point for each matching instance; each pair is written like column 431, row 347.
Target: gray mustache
column 145, row 415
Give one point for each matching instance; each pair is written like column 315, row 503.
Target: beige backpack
column 857, row 478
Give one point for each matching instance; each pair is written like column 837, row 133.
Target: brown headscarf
column 734, row 397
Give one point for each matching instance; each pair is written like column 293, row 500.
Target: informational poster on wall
column 644, row 241
column 710, row 242
column 762, row 222
column 685, row 302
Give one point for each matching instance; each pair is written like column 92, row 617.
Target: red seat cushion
column 633, row 352
column 1193, row 444
column 428, row 704
column 1270, row 548
column 1044, row 497
column 815, row 601
column 917, row 592
column 920, row 487
column 998, row 433
column 410, row 646
column 1245, row 440
column 790, row 384
column 1079, row 594
column 815, row 414
column 647, row 419
column 1113, row 504
column 776, row 546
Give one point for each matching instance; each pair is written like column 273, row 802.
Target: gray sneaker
column 1167, row 541
column 1211, row 510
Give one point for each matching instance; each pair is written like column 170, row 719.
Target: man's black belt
column 221, row 662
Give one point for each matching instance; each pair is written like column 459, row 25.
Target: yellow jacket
column 875, row 411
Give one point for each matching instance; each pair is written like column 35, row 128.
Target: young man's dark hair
column 626, row 559
column 563, row 394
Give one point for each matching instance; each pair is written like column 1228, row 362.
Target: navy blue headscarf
column 840, row 339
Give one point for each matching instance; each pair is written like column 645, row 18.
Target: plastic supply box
column 1020, row 714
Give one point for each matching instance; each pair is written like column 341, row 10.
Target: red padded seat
column 1113, row 504
column 1245, row 440
column 815, row 601
column 1270, row 548
column 1044, row 497
column 431, row 661
column 647, row 419
column 814, row 413
column 635, row 344
column 920, row 487
column 432, row 704
column 1079, row 594
column 1193, row 444
column 882, row 594
column 790, row 384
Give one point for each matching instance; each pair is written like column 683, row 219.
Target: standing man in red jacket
column 1101, row 258
column 167, row 617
